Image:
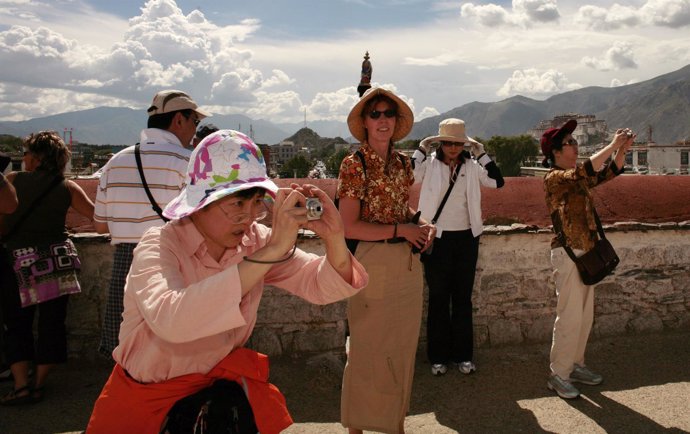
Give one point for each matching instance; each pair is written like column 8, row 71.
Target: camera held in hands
column 314, row 208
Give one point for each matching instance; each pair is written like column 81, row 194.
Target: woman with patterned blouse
column 571, row 206
column 384, row 318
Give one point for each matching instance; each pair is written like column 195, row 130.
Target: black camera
column 314, row 208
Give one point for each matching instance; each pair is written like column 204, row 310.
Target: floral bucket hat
column 224, row 163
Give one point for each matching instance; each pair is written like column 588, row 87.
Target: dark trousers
column 114, row 305
column 51, row 344
column 449, row 272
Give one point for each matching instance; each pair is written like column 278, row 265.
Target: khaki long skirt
column 384, row 320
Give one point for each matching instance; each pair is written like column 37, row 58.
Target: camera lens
column 314, row 208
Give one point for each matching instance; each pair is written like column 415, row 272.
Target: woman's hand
column 289, row 215
column 623, row 137
column 476, row 147
column 418, row 236
column 330, row 225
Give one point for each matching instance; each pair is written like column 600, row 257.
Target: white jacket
column 433, row 174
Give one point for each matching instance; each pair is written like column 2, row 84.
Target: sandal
column 37, row 393
column 14, row 397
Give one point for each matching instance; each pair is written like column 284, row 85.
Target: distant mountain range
column 662, row 103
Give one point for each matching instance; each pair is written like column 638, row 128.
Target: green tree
column 408, row 144
column 297, row 167
column 510, row 152
column 10, row 144
column 333, row 162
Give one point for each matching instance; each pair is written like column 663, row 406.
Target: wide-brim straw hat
column 224, row 163
column 403, row 122
column 449, row 130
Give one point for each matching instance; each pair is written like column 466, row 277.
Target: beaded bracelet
column 277, row 261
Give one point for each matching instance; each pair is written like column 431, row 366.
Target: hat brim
column 204, row 114
column 186, row 203
column 566, row 128
column 436, row 139
column 403, row 123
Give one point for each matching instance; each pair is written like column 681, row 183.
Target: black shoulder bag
column 154, row 204
column 596, row 263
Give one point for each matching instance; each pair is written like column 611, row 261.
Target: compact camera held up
column 314, row 208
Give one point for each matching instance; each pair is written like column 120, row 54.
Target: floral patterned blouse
column 384, row 191
column 570, row 202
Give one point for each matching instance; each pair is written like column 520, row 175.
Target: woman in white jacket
column 450, row 267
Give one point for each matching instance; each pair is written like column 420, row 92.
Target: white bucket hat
column 224, row 163
column 449, row 130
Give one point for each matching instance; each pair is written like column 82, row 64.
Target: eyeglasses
column 196, row 120
column 244, row 217
column 390, row 113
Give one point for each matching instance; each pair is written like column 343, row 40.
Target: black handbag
column 596, row 263
column 220, row 408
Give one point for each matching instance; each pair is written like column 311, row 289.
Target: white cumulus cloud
column 616, row 82
column 619, row 56
column 427, row 112
column 530, row 82
column 664, row 13
column 523, row 13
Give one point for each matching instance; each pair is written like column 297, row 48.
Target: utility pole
column 64, row 137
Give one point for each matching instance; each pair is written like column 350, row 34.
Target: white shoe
column 584, row 375
column 466, row 367
column 438, row 369
column 563, row 388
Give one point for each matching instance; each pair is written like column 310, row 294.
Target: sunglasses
column 449, row 144
column 390, row 113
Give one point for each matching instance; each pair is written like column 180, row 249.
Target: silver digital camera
column 314, row 208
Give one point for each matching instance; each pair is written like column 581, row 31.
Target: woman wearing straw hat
column 384, row 318
column 451, row 173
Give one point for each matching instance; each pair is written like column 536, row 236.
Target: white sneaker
column 466, row 367
column 438, row 369
column 584, row 375
column 563, row 388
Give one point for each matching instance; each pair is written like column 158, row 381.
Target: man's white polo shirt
column 121, row 200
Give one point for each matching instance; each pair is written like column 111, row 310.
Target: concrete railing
column 514, row 299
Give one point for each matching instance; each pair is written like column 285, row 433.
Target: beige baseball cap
column 171, row 100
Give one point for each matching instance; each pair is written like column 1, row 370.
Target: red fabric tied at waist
column 127, row 406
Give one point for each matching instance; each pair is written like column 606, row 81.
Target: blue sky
column 276, row 59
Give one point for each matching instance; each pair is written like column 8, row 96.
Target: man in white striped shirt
column 122, row 206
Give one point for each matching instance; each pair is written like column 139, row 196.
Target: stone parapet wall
column 514, row 298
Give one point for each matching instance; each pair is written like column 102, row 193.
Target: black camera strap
column 154, row 204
